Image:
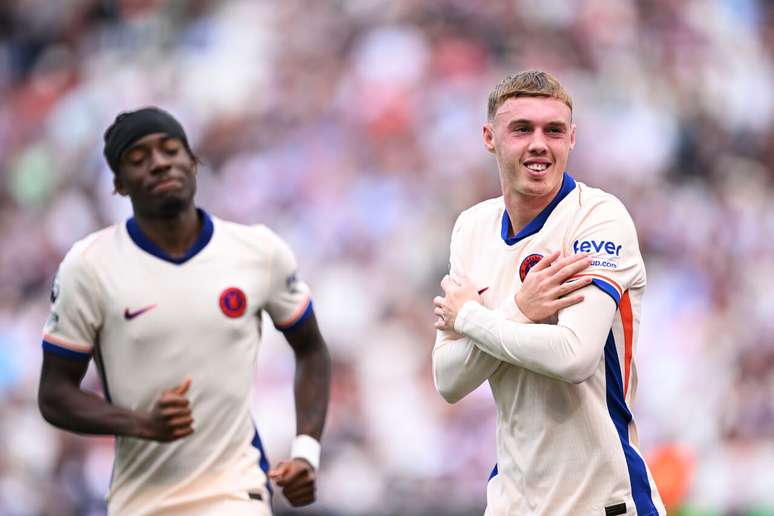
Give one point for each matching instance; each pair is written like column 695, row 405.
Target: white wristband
column 307, row 448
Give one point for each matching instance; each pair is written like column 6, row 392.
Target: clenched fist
column 297, row 478
column 170, row 419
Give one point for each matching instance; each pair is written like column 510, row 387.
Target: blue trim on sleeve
column 145, row 243
column 568, row 185
column 493, row 473
column 64, row 352
column 309, row 311
column 608, row 289
column 621, row 416
column 263, row 462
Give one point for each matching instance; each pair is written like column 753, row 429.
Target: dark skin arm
column 297, row 477
column 65, row 405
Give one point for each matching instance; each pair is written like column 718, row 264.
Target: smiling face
column 158, row 173
column 531, row 137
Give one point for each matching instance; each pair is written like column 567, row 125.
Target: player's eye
column 556, row 129
column 136, row 156
column 172, row 145
column 521, row 129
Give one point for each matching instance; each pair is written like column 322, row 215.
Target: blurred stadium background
column 353, row 129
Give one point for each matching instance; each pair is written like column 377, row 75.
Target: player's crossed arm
column 543, row 294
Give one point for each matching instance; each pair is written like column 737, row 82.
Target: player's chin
column 172, row 203
column 537, row 185
column 534, row 188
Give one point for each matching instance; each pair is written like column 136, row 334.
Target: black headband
column 130, row 126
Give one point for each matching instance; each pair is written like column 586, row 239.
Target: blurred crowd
column 353, row 129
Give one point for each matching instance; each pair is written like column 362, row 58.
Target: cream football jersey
column 566, row 439
column 149, row 321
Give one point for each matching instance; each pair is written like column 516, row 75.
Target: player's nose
column 160, row 160
column 537, row 143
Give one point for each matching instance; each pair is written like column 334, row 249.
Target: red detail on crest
column 233, row 302
column 527, row 264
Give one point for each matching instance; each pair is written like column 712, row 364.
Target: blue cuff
column 64, row 352
column 309, row 311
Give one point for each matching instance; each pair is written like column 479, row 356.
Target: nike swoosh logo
column 131, row 315
column 483, row 290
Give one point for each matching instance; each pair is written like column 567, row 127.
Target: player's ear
column 572, row 137
column 118, row 185
column 488, row 133
column 195, row 162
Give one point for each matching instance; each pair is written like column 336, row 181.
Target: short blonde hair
column 529, row 83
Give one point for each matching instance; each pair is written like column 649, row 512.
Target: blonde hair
column 530, row 83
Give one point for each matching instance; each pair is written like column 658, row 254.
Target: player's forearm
column 459, row 367
column 75, row 410
column 312, row 390
column 313, row 377
column 569, row 351
column 545, row 349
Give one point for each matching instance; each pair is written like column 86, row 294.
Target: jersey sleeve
column 75, row 315
column 607, row 232
column 459, row 366
column 289, row 302
column 569, row 350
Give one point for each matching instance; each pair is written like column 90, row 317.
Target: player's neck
column 174, row 234
column 522, row 209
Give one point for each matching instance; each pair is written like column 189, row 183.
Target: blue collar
column 145, row 243
column 568, row 185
